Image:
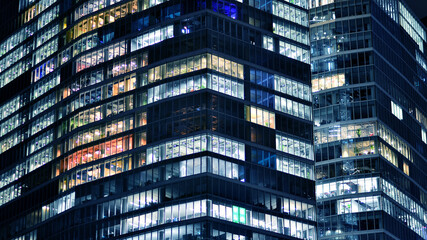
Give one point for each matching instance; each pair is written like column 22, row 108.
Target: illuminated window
column 293, row 108
column 294, row 167
column 43, row 105
column 95, row 152
column 294, row 52
column 100, row 19
column 99, row 56
column 354, row 149
column 388, row 154
column 99, row 132
column 196, row 144
column 12, row 140
column 290, row 13
column 267, row 43
column 40, row 142
column 355, row 205
column 420, row 117
column 396, row 110
column 220, row 84
column 151, row 38
column 318, row 3
column 288, row 30
column 423, row 135
column 10, row 107
column 105, row 168
column 195, row 63
column 411, row 26
column 406, row 168
column 45, row 51
column 395, row 141
column 239, row 215
column 44, row 85
column 294, row 147
column 141, row 119
column 127, row 65
column 260, row 116
column 328, row 82
column 225, row 7
column 42, row 70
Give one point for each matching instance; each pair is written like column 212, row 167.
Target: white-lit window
column 294, row 52
column 293, row 108
column 294, row 167
column 220, row 84
column 288, row 12
column 424, row 135
column 288, row 30
column 294, row 147
column 267, row 43
column 396, row 110
column 151, row 38
column 195, row 144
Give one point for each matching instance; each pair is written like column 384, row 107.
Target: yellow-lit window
column 204, row 64
column 252, row 114
column 406, row 168
column 64, row 24
column 227, row 67
column 134, row 6
column 101, row 19
column 260, row 116
column 111, row 16
column 221, row 64
column 328, row 82
column 214, row 62
column 117, row 12
column 315, row 84
column 124, row 10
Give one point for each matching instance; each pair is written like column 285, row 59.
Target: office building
column 156, row 119
column 370, row 114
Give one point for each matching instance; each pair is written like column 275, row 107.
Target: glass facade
column 157, row 119
column 369, row 102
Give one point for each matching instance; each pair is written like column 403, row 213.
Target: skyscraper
column 156, row 119
column 370, row 106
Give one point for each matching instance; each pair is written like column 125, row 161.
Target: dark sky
column 419, row 7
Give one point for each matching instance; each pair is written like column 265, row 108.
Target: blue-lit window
column 262, row 78
column 172, row 11
column 264, row 158
column 262, row 97
column 264, row 5
column 225, row 7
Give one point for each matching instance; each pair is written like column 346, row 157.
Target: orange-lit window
column 142, row 139
column 90, row 154
column 84, row 156
column 95, row 152
column 142, row 119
